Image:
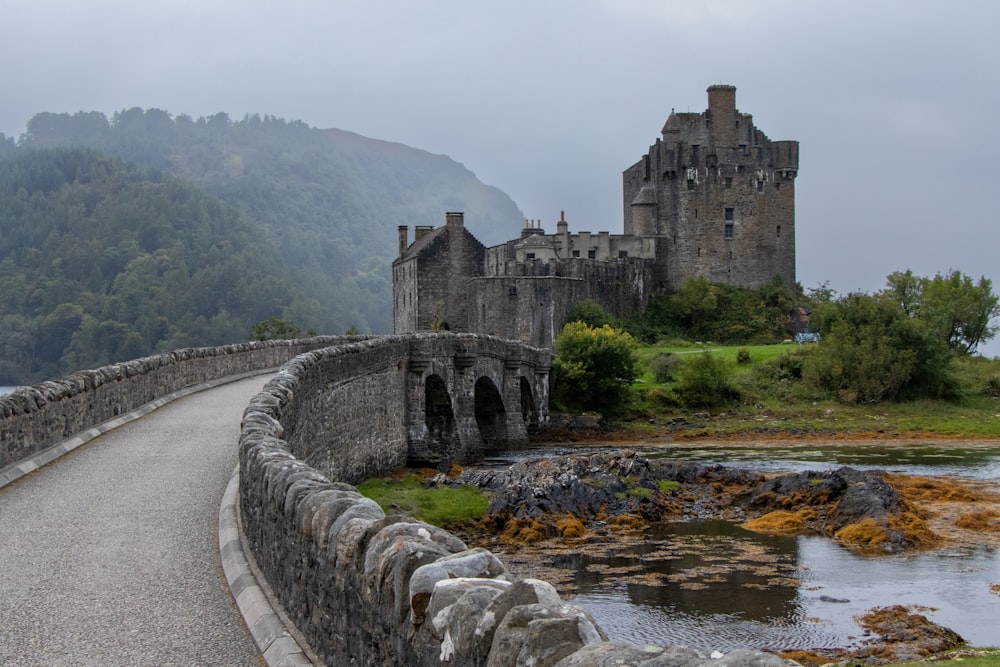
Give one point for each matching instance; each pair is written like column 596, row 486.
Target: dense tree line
column 144, row 232
column 102, row 261
column 704, row 311
column 328, row 201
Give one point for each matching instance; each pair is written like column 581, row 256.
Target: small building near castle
column 713, row 197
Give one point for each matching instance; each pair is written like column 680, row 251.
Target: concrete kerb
column 16, row 471
column 276, row 638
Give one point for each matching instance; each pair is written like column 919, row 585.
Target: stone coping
column 19, row 469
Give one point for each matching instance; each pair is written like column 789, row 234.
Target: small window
column 530, row 255
column 696, row 213
column 729, row 183
column 777, row 231
column 622, row 254
column 777, row 185
column 576, row 253
column 690, row 184
column 729, row 214
column 729, row 230
column 591, row 254
column 760, row 186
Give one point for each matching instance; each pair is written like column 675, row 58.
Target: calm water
column 6, row 390
column 715, row 586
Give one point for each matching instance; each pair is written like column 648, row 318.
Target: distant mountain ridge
column 319, row 209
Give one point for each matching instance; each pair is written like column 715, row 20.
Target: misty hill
column 309, row 215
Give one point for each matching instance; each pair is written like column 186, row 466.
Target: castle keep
column 713, row 197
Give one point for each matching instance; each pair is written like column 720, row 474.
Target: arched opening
column 529, row 411
column 438, row 416
column 491, row 417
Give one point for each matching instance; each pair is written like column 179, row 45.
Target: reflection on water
column 714, row 585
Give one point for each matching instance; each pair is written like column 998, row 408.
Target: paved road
column 109, row 556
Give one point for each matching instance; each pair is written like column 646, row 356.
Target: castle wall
column 531, row 306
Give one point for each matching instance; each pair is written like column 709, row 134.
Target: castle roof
column 534, row 240
column 422, row 243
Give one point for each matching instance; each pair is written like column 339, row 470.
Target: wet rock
column 608, row 654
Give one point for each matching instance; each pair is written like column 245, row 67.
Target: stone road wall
column 35, row 418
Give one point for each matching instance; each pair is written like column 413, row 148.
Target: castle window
column 729, row 214
column 729, row 183
column 777, row 231
column 576, row 253
column 729, row 230
column 743, row 148
column 591, row 254
column 529, row 255
column 760, row 186
column 622, row 254
column 777, row 185
column 690, row 184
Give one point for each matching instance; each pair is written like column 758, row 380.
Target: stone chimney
column 404, row 233
column 454, row 220
column 420, row 231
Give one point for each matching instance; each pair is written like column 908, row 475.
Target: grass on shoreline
column 786, row 408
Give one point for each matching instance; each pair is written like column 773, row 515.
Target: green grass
column 790, row 406
column 442, row 506
column 985, row 657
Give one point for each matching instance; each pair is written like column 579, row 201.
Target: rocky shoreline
column 568, row 500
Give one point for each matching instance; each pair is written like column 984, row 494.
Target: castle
column 713, row 197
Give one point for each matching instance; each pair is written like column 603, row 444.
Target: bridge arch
column 439, row 417
column 529, row 404
column 491, row 415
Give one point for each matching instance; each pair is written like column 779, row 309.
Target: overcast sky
column 896, row 104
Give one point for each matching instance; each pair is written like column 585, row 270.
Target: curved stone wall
column 369, row 589
column 32, row 419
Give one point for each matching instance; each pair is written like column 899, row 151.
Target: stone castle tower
column 718, row 196
column 713, row 197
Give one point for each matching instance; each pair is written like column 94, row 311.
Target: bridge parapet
column 34, row 419
column 366, row 588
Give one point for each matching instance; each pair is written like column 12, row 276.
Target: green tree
column 591, row 313
column 960, row 310
column 872, row 350
column 595, row 367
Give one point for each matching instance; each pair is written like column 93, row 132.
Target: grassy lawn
column 788, row 406
column 442, row 506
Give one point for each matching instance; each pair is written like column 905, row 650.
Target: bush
column 743, row 356
column 705, row 381
column 663, row 366
column 591, row 313
column 594, row 368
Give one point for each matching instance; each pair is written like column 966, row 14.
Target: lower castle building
column 713, row 197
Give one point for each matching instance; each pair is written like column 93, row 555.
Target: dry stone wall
column 32, row 419
column 365, row 588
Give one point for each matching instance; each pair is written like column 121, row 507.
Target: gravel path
column 109, row 555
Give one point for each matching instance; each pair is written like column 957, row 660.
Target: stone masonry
column 713, row 197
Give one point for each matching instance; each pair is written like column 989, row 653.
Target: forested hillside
column 168, row 232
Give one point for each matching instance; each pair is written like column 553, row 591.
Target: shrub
column 705, row 381
column 743, row 356
column 594, row 368
column 663, row 366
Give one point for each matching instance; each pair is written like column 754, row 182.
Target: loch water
column 713, row 585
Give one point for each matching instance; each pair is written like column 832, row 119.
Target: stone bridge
column 320, row 574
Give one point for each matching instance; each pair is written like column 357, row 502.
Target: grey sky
column 896, row 104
